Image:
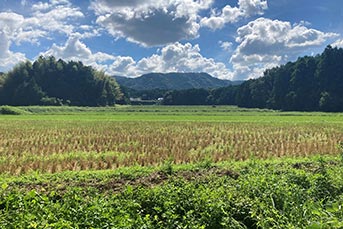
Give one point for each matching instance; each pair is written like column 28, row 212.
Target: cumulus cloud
column 43, row 19
column 338, row 43
column 47, row 17
column 14, row 27
column 74, row 49
column 149, row 22
column 56, row 15
column 53, row 16
column 41, row 6
column 179, row 57
column 175, row 57
column 8, row 58
column 264, row 43
column 19, row 29
column 252, row 7
column 226, row 45
column 229, row 14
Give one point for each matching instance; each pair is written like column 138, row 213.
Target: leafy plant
column 8, row 110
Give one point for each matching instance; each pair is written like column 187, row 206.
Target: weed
column 167, row 167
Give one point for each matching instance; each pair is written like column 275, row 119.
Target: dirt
column 119, row 183
column 314, row 167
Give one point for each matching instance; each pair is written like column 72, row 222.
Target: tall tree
column 54, row 82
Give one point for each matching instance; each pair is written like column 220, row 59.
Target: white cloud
column 44, row 19
column 13, row 29
column 172, row 58
column 252, row 7
column 338, row 43
column 151, row 22
column 20, row 29
column 229, row 14
column 56, row 15
column 179, row 57
column 265, row 43
column 74, row 49
column 42, row 6
column 8, row 58
column 226, row 45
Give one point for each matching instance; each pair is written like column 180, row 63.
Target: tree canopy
column 308, row 84
column 312, row 83
column 194, row 96
column 48, row 81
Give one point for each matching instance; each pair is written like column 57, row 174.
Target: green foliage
column 8, row 110
column 309, row 84
column 48, row 81
column 167, row 167
column 219, row 96
column 279, row 194
column 186, row 97
column 340, row 147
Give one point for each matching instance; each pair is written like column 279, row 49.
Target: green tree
column 55, row 82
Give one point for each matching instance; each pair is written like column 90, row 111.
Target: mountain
column 311, row 83
column 173, row 81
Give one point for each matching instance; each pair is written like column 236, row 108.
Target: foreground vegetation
column 169, row 167
column 302, row 193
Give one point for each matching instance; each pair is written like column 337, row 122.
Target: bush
column 8, row 110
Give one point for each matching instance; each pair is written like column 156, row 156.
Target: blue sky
column 229, row 39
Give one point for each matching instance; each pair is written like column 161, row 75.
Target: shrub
column 8, row 110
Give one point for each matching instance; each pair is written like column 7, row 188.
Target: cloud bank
column 265, row 43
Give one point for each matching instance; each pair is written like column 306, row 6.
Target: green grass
column 289, row 193
column 172, row 113
column 170, row 167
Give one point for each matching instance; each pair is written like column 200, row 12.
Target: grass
column 172, row 113
column 170, row 167
column 289, row 193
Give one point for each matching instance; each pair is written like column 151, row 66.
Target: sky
column 229, row 39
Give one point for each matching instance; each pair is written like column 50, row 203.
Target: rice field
column 170, row 167
column 75, row 140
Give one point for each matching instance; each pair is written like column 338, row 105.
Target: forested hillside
column 312, row 83
column 309, row 84
column 173, row 81
column 201, row 96
column 48, row 81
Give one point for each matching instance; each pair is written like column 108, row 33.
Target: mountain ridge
column 173, row 81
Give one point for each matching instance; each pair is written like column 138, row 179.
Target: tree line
column 48, row 81
column 218, row 96
column 312, row 83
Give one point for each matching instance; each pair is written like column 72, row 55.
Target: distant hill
column 173, row 81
